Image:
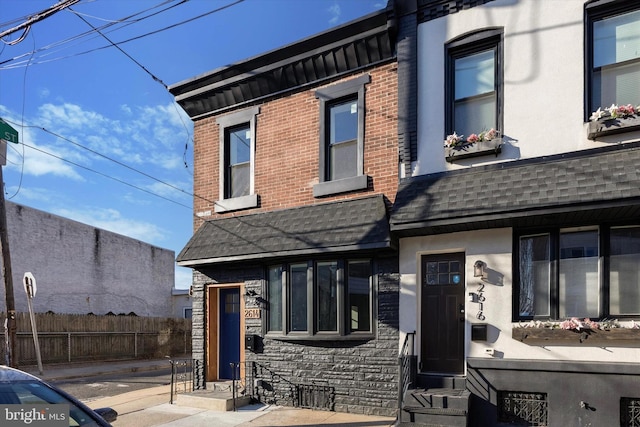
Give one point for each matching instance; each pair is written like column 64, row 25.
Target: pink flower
column 626, row 110
column 473, row 138
column 567, row 324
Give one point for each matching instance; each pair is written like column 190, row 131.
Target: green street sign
column 7, row 132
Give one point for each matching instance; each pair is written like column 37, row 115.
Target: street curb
column 67, row 372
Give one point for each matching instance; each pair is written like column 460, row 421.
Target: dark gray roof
column 333, row 53
column 349, row 225
column 579, row 188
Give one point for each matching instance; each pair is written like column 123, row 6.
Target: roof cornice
column 348, row 48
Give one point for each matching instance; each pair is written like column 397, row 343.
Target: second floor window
column 342, row 143
column 341, row 155
column 613, row 37
column 238, row 161
column 474, row 83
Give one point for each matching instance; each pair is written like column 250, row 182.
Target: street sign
column 30, row 288
column 7, row 132
column 29, row 284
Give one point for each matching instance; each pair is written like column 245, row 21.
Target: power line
column 153, row 76
column 125, row 20
column 105, row 175
column 120, row 42
column 110, row 159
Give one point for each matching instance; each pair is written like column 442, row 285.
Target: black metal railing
column 259, row 383
column 182, row 375
column 265, row 385
column 407, row 362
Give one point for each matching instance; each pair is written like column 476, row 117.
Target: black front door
column 442, row 313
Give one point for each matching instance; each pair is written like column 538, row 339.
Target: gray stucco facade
column 80, row 269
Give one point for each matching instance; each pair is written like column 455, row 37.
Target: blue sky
column 101, row 139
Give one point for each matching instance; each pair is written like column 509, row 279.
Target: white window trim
column 250, row 200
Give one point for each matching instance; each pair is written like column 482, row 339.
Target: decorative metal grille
column 521, row 408
column 315, row 396
column 630, row 412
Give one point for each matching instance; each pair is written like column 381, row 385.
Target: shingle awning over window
column 577, row 188
column 344, row 226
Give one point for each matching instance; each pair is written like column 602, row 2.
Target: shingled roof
column 579, row 188
column 348, row 225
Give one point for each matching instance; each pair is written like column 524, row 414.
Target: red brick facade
column 287, row 149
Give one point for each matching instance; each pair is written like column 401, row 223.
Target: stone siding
column 363, row 373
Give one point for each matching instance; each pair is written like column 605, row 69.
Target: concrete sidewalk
column 151, row 408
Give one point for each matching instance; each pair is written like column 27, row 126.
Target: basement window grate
column 316, row 396
column 630, row 412
column 522, row 408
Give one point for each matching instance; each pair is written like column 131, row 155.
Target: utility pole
column 7, row 133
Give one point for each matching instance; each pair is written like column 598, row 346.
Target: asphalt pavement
column 150, row 407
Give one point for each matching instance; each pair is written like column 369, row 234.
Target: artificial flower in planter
column 482, row 144
column 615, row 112
column 455, row 140
column 605, row 332
column 613, row 119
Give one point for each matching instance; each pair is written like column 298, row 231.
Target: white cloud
column 152, row 135
column 335, row 12
column 30, row 193
column 31, row 158
column 70, row 116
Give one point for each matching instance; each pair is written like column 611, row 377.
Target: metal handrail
column 181, row 371
column 407, row 362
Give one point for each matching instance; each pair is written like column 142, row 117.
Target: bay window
column 322, row 298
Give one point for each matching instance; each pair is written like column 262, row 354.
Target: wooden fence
column 65, row 338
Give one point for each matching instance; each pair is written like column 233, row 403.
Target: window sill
column 599, row 337
column 604, row 127
column 482, row 148
column 344, row 185
column 236, row 203
column 316, row 338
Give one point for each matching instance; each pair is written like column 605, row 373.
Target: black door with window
column 442, row 317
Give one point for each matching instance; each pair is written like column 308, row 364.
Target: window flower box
column 485, row 143
column 613, row 120
column 617, row 337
